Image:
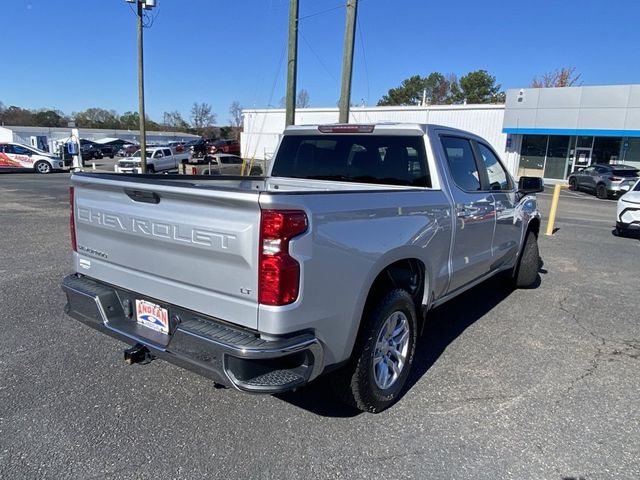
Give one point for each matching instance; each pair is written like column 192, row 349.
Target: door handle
column 464, row 210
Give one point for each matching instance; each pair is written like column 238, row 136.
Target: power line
column 317, row 56
column 364, row 59
column 323, row 11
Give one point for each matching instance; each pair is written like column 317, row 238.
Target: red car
column 224, row 146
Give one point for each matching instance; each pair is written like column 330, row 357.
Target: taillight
column 279, row 273
column 615, row 179
column 72, row 219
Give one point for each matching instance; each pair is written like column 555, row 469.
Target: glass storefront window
column 606, row 150
column 584, row 142
column 632, row 155
column 557, row 157
column 532, row 155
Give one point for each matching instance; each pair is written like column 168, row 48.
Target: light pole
column 147, row 5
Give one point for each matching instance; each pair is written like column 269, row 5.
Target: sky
column 72, row 55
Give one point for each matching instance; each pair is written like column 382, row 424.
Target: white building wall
column 263, row 128
column 6, row 135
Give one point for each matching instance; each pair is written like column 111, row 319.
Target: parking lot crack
column 563, row 306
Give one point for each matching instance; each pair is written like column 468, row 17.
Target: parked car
column 91, row 151
column 628, row 211
column 224, row 146
column 177, row 146
column 108, row 150
column 227, row 164
column 604, row 180
column 198, row 148
column 16, row 155
column 128, row 150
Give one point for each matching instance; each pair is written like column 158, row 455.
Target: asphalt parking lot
column 527, row 384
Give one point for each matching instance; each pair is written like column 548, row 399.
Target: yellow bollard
column 554, row 208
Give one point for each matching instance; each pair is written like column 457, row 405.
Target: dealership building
column 546, row 132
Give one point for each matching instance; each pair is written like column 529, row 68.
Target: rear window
column 389, row 160
column 626, row 173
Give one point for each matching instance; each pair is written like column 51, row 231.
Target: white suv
column 628, row 213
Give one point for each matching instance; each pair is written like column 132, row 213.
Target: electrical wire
column 148, row 19
column 317, row 56
column 342, row 5
column 364, row 58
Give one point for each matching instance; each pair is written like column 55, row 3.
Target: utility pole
column 292, row 64
column 147, row 5
column 347, row 60
column 143, row 128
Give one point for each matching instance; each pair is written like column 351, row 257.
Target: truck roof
column 388, row 128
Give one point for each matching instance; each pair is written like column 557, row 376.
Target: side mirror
column 530, row 185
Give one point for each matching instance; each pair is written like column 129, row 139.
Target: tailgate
column 191, row 246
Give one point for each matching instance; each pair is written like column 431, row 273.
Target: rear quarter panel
column 351, row 238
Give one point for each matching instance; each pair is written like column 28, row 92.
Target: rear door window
column 462, row 163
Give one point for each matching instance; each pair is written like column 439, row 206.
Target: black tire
column 356, row 383
column 151, row 169
column 526, row 273
column 42, row 167
column 601, row 191
column 573, row 183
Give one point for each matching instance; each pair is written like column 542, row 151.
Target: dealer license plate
column 152, row 316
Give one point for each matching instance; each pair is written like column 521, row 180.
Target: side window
column 498, row 177
column 158, row 154
column 167, row 152
column 462, row 164
column 20, row 150
column 8, row 149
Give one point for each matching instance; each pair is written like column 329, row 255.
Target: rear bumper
column 205, row 345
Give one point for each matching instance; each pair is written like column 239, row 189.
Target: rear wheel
column 42, row 167
column 377, row 373
column 601, row 191
column 526, row 272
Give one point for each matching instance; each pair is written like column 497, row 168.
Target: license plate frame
column 153, row 316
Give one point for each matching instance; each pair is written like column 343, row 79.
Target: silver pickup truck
column 159, row 159
column 327, row 265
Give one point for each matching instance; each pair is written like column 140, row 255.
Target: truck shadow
column 446, row 323
column 443, row 325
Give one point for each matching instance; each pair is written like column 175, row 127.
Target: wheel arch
column 534, row 226
column 410, row 274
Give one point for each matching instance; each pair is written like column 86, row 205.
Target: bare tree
column 202, row 115
column 235, row 110
column 302, row 100
column 564, row 77
column 174, row 120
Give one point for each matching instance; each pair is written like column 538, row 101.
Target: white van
column 16, row 155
